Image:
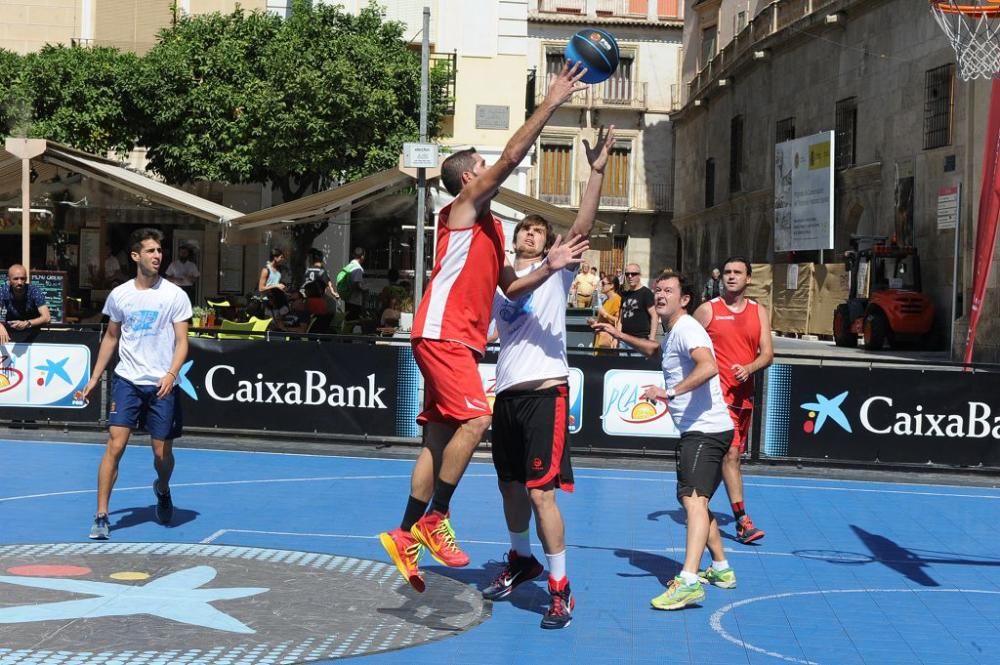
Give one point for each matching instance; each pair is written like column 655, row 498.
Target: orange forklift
column 885, row 303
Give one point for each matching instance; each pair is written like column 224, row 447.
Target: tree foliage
column 10, row 99
column 78, row 96
column 320, row 98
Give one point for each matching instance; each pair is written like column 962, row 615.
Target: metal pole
column 954, row 276
column 26, row 214
column 418, row 277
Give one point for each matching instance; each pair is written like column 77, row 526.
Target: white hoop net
column 975, row 36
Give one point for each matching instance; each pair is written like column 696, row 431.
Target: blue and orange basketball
column 597, row 49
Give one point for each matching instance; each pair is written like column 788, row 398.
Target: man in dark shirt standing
column 638, row 313
column 22, row 304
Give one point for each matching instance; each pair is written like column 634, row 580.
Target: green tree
column 320, row 98
column 79, row 96
column 12, row 103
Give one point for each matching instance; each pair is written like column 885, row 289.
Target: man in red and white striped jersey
column 449, row 333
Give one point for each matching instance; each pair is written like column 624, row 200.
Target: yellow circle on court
column 129, row 576
column 812, row 414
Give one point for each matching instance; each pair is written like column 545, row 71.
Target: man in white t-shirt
column 531, row 412
column 148, row 326
column 183, row 271
column 694, row 398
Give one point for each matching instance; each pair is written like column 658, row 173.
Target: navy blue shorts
column 137, row 407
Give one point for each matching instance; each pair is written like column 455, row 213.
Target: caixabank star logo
column 823, row 409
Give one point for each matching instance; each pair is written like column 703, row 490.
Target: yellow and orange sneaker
column 404, row 551
column 434, row 532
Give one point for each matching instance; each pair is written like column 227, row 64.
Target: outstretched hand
column 571, row 252
column 567, row 83
column 597, row 155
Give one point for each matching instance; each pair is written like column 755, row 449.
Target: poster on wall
column 803, row 193
column 90, row 256
column 230, row 268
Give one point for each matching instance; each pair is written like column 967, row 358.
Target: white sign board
column 420, row 155
column 803, row 193
column 948, row 199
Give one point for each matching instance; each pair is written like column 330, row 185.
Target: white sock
column 689, row 578
column 720, row 565
column 520, row 542
column 557, row 565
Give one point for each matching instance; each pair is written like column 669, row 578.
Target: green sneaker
column 724, row 579
column 678, row 595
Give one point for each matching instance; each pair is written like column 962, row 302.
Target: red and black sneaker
column 518, row 570
column 746, row 532
column 560, row 612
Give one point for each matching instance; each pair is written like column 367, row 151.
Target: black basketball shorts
column 699, row 462
column 531, row 438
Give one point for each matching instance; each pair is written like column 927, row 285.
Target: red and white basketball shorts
column 453, row 389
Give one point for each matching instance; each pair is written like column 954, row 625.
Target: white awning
column 109, row 172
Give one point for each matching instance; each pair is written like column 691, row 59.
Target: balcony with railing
column 622, row 8
column 610, row 94
column 647, row 197
column 753, row 38
column 562, row 6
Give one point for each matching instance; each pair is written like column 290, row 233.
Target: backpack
column 344, row 285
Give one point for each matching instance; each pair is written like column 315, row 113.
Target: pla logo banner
column 624, row 411
column 43, row 375
column 488, row 373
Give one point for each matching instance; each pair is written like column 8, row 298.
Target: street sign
column 420, row 155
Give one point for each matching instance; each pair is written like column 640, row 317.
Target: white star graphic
column 175, row 596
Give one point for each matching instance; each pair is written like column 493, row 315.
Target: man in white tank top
column 694, row 399
column 530, row 414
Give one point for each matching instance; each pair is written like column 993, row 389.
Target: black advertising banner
column 605, row 406
column 293, row 386
column 881, row 414
column 41, row 372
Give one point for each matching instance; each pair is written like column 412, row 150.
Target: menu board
column 53, row 285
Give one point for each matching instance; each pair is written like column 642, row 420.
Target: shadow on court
column 531, row 596
column 129, row 517
column 908, row 562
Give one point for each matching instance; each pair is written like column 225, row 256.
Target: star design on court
column 184, row 383
column 828, row 407
column 55, row 368
column 176, row 596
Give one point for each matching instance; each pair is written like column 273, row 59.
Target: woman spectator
column 270, row 286
column 608, row 312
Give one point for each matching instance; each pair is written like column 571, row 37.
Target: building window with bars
column 709, row 182
column 620, row 86
column 845, row 128
column 617, row 176
column 939, row 85
column 707, row 46
column 736, row 154
column 555, row 171
column 784, row 130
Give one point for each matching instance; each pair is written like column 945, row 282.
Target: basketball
column 598, row 51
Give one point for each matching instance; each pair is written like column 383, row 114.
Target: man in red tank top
column 741, row 334
column 449, row 334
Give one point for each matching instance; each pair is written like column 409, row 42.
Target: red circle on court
column 44, row 570
column 808, row 426
column 40, row 381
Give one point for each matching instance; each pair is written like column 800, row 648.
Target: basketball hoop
column 973, row 28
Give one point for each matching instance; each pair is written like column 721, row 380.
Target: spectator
column 317, row 283
column 270, row 286
column 22, row 304
column 351, row 285
column 183, row 271
column 390, row 316
column 608, row 312
column 638, row 313
column 583, row 287
column 394, row 289
column 713, row 287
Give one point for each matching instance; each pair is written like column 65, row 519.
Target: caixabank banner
column 39, row 378
column 889, row 415
column 352, row 389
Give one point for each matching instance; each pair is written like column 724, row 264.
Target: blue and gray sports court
column 273, row 559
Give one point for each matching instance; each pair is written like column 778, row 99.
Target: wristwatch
column 671, row 393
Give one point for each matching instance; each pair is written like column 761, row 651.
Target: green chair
column 236, row 325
